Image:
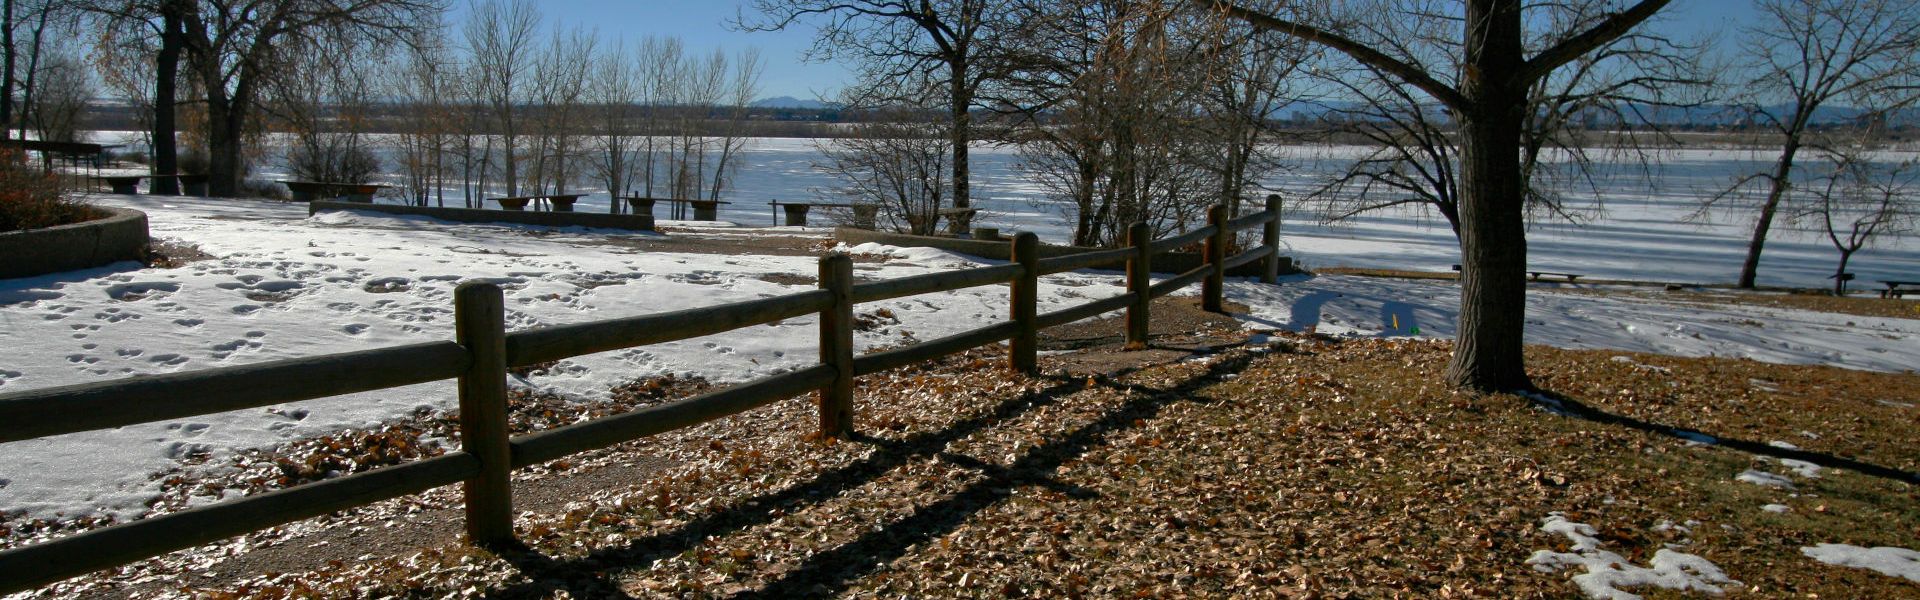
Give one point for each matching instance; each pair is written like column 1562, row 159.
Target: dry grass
column 1307, row 469
column 1865, row 303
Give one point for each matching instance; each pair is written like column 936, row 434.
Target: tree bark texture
column 1493, row 244
column 166, row 156
column 1780, row 183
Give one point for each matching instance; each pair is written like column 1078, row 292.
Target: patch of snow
column 1782, row 445
column 1895, row 404
column 1695, row 437
column 1607, row 572
column 1802, row 468
column 1776, row 508
column 1764, row 478
column 1886, row 560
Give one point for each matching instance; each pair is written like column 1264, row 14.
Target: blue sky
column 702, row 25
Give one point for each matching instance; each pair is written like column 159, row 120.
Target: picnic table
column 74, row 153
column 191, row 185
column 308, row 191
column 553, row 202
column 1895, row 289
column 863, row 214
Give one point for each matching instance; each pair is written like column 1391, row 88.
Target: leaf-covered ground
column 1286, row 467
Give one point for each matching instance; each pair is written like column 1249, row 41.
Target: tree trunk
column 960, row 133
column 1493, row 244
column 1840, row 274
column 1782, row 174
column 6, row 77
column 166, row 158
column 223, row 149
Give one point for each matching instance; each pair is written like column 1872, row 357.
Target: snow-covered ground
column 285, row 285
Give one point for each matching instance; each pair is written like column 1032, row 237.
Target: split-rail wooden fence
column 482, row 351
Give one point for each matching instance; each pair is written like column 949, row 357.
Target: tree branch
column 1616, row 25
column 1415, row 76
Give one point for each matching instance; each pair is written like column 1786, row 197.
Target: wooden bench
column 192, row 185
column 863, row 214
column 1896, row 289
column 308, row 191
column 553, row 202
column 1536, row 275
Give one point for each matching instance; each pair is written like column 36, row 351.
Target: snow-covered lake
column 286, row 285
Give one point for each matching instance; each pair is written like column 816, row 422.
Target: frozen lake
column 1642, row 231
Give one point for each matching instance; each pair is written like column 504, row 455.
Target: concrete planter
column 1171, row 263
column 117, row 237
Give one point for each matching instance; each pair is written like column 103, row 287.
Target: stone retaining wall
column 121, row 235
column 477, row 215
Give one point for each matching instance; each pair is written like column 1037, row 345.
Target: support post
column 1139, row 283
column 836, row 346
column 1215, row 285
column 1025, row 294
column 1270, row 237
column 480, row 326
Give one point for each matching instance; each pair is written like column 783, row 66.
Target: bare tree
column 422, row 84
column 1810, row 55
column 500, row 46
column 896, row 162
column 1595, row 108
column 616, row 91
column 1861, row 201
column 741, row 87
column 559, row 85
column 1489, row 96
column 945, row 47
column 1128, row 108
column 328, row 110
column 60, row 94
column 234, row 49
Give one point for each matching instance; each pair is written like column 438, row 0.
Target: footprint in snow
column 355, row 328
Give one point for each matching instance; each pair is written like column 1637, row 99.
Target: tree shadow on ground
column 1561, row 404
column 833, row 570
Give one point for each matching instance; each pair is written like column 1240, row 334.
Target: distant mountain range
column 792, row 102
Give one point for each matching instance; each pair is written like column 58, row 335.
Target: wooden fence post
column 480, row 325
column 836, row 346
column 1214, row 287
column 1270, row 237
column 1024, row 297
column 1139, row 283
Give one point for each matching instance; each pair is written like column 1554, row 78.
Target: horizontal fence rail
column 483, row 351
column 150, row 398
